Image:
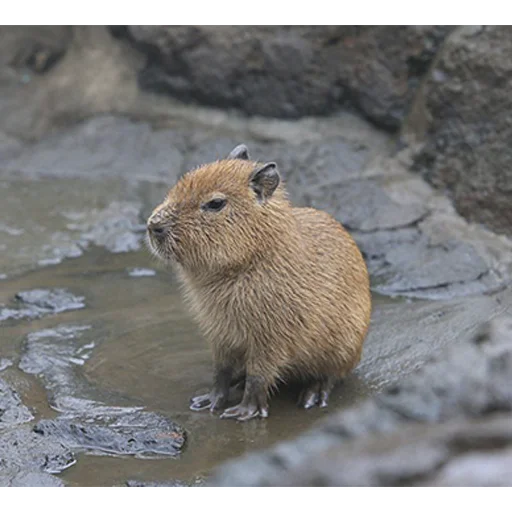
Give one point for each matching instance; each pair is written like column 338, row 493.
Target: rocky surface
column 115, row 432
column 462, row 115
column 5, row 363
column 414, row 242
column 29, row 459
column 29, row 479
column 374, row 70
column 465, row 453
column 37, row 303
column 51, row 75
column 55, row 356
column 370, row 444
column 28, row 454
column 12, row 410
column 25, row 459
column 86, row 151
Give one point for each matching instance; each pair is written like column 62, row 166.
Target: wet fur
column 279, row 292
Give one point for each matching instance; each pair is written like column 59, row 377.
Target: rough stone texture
column 404, row 336
column 290, row 71
column 29, row 479
column 56, row 300
column 5, row 363
column 22, row 450
column 467, row 381
column 109, row 172
column 40, row 302
column 12, row 411
column 55, row 356
column 102, row 148
column 463, row 116
column 94, row 183
column 95, row 170
column 465, row 453
column 414, row 243
column 137, row 433
column 26, row 460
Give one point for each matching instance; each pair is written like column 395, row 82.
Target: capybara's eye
column 215, row 205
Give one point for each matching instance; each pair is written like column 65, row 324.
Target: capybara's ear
column 239, row 153
column 264, row 180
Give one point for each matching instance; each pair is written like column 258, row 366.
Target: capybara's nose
column 156, row 228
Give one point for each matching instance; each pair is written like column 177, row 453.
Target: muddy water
column 147, row 353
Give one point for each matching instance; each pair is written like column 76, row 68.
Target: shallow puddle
column 147, row 352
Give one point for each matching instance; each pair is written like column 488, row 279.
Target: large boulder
column 463, row 115
column 290, row 71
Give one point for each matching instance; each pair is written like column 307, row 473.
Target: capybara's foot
column 213, row 401
column 316, row 393
column 254, row 403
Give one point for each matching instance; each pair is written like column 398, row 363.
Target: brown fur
column 278, row 291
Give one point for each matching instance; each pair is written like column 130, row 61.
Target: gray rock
column 467, row 381
column 412, row 246
column 29, row 479
column 462, row 115
column 97, row 170
column 12, row 410
column 10, row 147
column 87, row 423
column 40, row 302
column 372, row 69
column 364, row 206
column 22, row 450
column 54, row 355
column 26, row 459
column 5, row 363
column 473, row 453
column 55, row 300
column 311, row 168
column 208, row 150
column 101, row 148
column 413, row 241
column 137, row 433
column 425, row 266
column 117, row 228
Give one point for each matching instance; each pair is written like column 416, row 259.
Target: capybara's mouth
column 161, row 247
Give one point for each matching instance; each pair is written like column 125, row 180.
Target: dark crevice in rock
column 443, row 285
column 413, row 224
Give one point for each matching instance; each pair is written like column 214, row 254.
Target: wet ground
column 98, row 356
column 143, row 350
